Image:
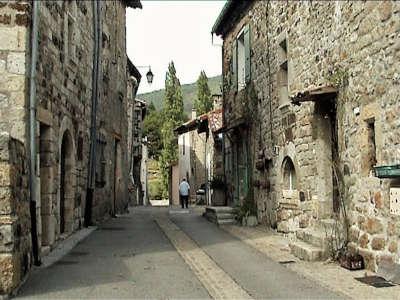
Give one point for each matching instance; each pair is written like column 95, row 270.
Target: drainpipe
column 93, row 129
column 32, row 131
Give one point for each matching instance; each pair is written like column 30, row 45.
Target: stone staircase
column 220, row 215
column 312, row 243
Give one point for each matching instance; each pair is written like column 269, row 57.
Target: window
column 241, row 59
column 289, row 175
column 283, row 73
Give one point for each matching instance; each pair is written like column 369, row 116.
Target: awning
column 314, row 93
column 241, row 122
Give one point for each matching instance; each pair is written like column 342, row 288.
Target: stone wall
column 64, row 98
column 14, row 36
column 353, row 46
column 15, row 238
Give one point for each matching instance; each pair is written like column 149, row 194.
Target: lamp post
column 149, row 74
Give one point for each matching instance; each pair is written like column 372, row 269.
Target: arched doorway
column 67, row 184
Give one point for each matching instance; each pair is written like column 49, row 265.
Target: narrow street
column 131, row 257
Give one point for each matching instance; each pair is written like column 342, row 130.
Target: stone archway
column 67, row 184
column 66, row 177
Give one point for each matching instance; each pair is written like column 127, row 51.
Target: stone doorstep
column 219, row 209
column 306, row 251
column 226, row 222
column 313, row 237
column 222, row 216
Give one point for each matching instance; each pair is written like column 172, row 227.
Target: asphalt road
column 130, row 257
column 260, row 276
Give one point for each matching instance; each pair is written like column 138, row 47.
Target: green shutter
column 234, row 66
column 247, row 52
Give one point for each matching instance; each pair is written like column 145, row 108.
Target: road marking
column 216, row 281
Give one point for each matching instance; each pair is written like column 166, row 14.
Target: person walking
column 184, row 192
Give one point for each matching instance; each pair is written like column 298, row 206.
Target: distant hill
column 189, row 92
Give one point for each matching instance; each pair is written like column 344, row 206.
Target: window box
column 392, row 171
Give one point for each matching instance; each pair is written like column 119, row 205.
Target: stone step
column 220, row 209
column 326, row 225
column 313, row 237
column 226, row 221
column 222, row 216
column 306, row 251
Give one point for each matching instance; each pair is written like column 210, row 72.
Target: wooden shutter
column 234, row 66
column 247, row 53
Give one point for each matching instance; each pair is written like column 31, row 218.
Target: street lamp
column 149, row 74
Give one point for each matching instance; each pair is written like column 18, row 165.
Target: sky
column 174, row 30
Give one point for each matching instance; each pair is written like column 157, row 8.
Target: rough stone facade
column 64, row 81
column 138, row 112
column 308, row 162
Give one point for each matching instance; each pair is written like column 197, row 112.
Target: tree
column 203, row 103
column 152, row 129
column 173, row 116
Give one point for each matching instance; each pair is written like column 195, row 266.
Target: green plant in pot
column 246, row 211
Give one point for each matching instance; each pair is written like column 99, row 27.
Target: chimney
column 194, row 114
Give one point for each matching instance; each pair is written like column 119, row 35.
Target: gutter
column 32, row 131
column 93, row 129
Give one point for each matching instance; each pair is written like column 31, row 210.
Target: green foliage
column 189, row 93
column 247, row 208
column 339, row 77
column 203, row 103
column 156, row 189
column 152, row 129
column 173, row 116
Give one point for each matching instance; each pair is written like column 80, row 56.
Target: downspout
column 93, row 129
column 32, row 132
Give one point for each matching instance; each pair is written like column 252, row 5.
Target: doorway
column 328, row 157
column 117, row 177
column 67, row 195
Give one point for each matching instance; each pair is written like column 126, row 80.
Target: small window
column 283, row 81
column 241, row 59
column 289, row 175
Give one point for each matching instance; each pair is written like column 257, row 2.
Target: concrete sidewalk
column 330, row 275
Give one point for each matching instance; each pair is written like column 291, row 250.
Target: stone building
column 138, row 148
column 310, row 96
column 63, row 124
column 200, row 152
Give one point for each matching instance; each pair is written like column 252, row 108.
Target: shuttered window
column 241, row 59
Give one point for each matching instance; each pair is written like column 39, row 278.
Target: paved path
column 260, row 276
column 131, row 257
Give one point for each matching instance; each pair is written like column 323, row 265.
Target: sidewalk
column 329, row 275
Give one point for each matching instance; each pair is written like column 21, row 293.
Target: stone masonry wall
column 355, row 46
column 14, row 36
column 15, row 238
